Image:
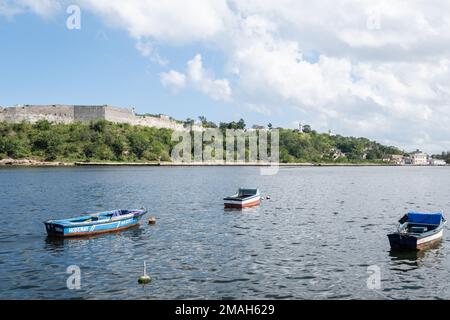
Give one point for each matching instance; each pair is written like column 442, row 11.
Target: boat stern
column 54, row 229
column 398, row 241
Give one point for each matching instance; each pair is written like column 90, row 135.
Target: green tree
column 307, row 128
column 99, row 151
column 138, row 143
column 42, row 125
column 241, row 124
column 206, row 123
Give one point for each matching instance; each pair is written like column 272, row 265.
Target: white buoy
column 268, row 197
column 144, row 279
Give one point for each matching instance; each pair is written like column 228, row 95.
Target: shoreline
column 37, row 163
column 33, row 163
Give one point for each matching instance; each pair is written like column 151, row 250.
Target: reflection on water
column 417, row 257
column 408, row 255
column 413, row 271
column 315, row 238
column 54, row 243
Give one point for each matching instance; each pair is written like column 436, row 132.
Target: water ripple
column 314, row 239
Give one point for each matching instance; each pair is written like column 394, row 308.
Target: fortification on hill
column 76, row 113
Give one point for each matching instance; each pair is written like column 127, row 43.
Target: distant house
column 337, row 154
column 397, row 159
column 438, row 162
column 419, row 158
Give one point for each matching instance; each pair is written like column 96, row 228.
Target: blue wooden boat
column 418, row 231
column 96, row 223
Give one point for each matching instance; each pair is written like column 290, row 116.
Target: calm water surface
column 315, row 237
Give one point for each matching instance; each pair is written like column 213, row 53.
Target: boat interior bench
column 418, row 229
column 239, row 197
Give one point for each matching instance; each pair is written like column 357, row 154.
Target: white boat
column 244, row 198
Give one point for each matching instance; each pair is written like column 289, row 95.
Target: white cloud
column 173, row 79
column 198, row 78
column 41, row 7
column 44, row 8
column 176, row 21
column 148, row 50
column 267, row 111
column 8, row 10
column 202, row 80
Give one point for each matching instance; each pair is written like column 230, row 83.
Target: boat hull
column 398, row 241
column 57, row 230
column 238, row 204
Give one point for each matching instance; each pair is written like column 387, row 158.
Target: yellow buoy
column 144, row 279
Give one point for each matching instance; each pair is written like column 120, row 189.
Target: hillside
column 107, row 141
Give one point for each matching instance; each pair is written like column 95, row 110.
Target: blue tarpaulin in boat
column 425, row 218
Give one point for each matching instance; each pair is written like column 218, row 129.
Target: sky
column 359, row 68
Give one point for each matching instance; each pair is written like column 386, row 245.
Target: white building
column 438, row 162
column 419, row 158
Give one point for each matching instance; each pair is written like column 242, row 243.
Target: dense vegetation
column 100, row 140
column 106, row 141
column 296, row 146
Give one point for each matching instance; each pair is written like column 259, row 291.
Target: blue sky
column 43, row 62
column 379, row 70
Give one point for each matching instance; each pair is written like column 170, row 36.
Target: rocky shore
column 34, row 163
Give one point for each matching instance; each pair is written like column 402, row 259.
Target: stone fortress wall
column 72, row 113
column 59, row 114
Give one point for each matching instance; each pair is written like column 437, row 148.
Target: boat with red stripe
column 244, row 198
